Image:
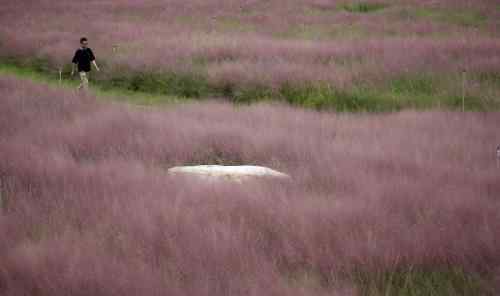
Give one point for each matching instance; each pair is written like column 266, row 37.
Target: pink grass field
column 88, row 208
column 266, row 42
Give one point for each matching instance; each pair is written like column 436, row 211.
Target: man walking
column 83, row 57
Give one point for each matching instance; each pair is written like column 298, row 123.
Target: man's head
column 83, row 42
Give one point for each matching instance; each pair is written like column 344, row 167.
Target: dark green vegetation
column 407, row 282
column 416, row 92
column 422, row 283
column 363, row 7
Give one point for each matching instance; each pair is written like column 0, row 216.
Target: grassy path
column 127, row 96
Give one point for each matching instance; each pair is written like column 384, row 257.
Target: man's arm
column 92, row 58
column 95, row 65
column 73, row 66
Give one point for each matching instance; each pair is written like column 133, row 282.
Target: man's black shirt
column 83, row 57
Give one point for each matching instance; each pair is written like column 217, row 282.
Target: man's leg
column 85, row 81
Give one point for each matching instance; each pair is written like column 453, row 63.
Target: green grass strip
column 153, row 88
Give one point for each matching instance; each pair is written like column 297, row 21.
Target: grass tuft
column 449, row 282
column 364, row 7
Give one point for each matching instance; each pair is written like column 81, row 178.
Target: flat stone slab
column 234, row 173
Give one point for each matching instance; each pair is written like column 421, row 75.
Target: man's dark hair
column 83, row 39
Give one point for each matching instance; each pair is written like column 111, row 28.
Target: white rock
column 235, row 173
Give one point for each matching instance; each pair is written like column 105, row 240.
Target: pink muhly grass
column 88, row 208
